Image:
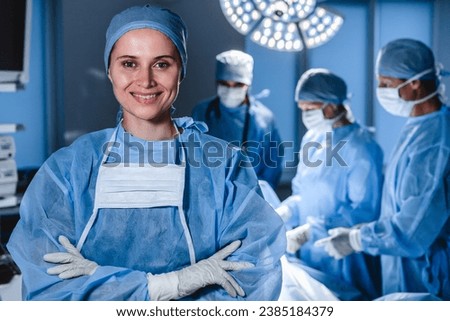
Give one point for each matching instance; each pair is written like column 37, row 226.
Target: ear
column 415, row 84
column 329, row 111
column 109, row 76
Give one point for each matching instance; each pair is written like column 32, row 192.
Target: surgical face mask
column 315, row 119
column 231, row 97
column 391, row 101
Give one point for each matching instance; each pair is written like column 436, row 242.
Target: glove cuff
column 163, row 287
column 92, row 267
column 355, row 240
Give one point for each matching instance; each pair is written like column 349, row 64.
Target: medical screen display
column 12, row 34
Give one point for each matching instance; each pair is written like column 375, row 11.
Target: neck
column 341, row 122
column 151, row 131
column 431, row 105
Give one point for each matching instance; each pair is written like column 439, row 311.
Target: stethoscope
column 213, row 107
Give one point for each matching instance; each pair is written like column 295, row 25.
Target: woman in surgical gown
column 338, row 183
column 151, row 204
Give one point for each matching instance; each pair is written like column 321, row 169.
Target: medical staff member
column 236, row 116
column 412, row 234
column 338, row 183
column 141, row 212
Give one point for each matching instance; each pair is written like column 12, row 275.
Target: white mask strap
column 420, row 74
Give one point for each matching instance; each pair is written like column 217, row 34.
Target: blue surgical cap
column 162, row 20
column 321, row 85
column 234, row 65
column 404, row 59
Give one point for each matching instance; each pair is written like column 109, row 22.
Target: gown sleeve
column 414, row 218
column 249, row 218
column 47, row 211
column 363, row 191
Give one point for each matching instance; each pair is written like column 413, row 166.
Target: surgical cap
column 321, row 85
column 405, row 58
column 162, row 20
column 234, row 65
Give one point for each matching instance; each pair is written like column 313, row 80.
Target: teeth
column 145, row 96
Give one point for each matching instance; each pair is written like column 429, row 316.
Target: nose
column 146, row 78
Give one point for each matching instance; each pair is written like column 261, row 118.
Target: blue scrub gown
column 222, row 203
column 413, row 232
column 264, row 145
column 341, row 190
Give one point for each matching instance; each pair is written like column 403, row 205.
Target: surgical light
column 284, row 25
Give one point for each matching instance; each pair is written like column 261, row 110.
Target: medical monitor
column 15, row 30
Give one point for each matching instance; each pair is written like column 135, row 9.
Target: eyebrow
column 135, row 57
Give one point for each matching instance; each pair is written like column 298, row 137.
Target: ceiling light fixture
column 284, row 25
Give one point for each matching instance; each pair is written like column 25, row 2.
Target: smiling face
column 145, row 70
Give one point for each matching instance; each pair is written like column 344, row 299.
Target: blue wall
column 27, row 106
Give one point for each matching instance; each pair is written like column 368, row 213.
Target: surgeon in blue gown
column 153, row 209
column 412, row 235
column 240, row 118
column 338, row 183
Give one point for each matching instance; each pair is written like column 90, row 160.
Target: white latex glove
column 297, row 237
column 285, row 212
column 71, row 263
column 213, row 270
column 343, row 241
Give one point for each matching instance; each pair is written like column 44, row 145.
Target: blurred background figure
column 412, row 234
column 237, row 117
column 338, row 183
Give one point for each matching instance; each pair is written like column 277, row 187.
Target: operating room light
column 284, row 25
